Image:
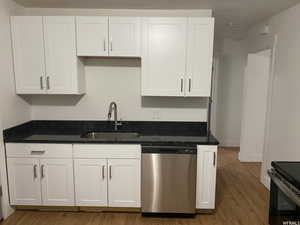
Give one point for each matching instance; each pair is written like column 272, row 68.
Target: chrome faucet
column 113, row 106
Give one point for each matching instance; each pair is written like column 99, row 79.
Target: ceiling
column 233, row 17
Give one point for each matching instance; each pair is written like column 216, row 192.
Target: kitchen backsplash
column 116, row 80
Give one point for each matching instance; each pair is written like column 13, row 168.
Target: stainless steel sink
column 110, row 135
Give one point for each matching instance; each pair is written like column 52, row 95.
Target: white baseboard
column 266, row 181
column 229, row 144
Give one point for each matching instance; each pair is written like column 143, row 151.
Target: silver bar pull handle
column 37, row 152
column 104, row 45
column 214, row 159
column 42, row 171
column 41, row 83
column 190, row 84
column 34, row 171
column 48, row 83
column 103, row 172
column 111, row 45
column 110, row 174
column 181, row 84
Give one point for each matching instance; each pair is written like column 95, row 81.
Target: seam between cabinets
column 45, row 60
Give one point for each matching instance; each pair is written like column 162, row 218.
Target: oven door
column 284, row 201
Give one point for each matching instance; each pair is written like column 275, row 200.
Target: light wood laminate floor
column 241, row 200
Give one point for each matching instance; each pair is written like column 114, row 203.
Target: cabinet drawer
column 39, row 150
column 107, row 151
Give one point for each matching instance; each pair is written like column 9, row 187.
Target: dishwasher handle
column 169, row 150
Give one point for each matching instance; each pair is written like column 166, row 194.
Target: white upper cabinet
column 28, row 51
column 199, row 56
column 176, row 52
column 60, row 51
column 108, row 36
column 45, row 56
column 163, row 56
column 124, row 36
column 177, row 56
column 92, row 35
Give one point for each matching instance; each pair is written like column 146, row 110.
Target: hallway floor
column 241, row 200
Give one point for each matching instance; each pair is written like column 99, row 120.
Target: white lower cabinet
column 37, row 180
column 124, row 182
column 206, row 176
column 91, row 182
column 57, row 182
column 108, row 175
column 24, row 181
column 102, row 175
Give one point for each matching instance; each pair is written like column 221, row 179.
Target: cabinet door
column 92, row 35
column 124, row 182
column 24, row 181
column 163, row 56
column 199, row 56
column 206, row 177
column 91, row 182
column 29, row 58
column 124, row 36
column 60, row 51
column 57, row 182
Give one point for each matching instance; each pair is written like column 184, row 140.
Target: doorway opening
column 254, row 108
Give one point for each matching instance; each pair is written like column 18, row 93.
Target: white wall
column 116, row 80
column 282, row 133
column 14, row 109
column 230, row 87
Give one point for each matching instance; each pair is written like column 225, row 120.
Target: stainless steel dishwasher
column 169, row 179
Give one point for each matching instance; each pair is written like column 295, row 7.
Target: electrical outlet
column 156, row 114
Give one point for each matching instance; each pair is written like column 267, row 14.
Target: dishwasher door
column 169, row 180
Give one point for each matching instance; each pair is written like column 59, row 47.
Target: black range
column 289, row 170
column 284, row 193
column 150, row 133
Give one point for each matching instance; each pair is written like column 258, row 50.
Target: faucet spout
column 113, row 107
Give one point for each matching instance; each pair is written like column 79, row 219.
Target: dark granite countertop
column 151, row 133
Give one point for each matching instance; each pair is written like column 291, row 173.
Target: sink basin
column 110, row 135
